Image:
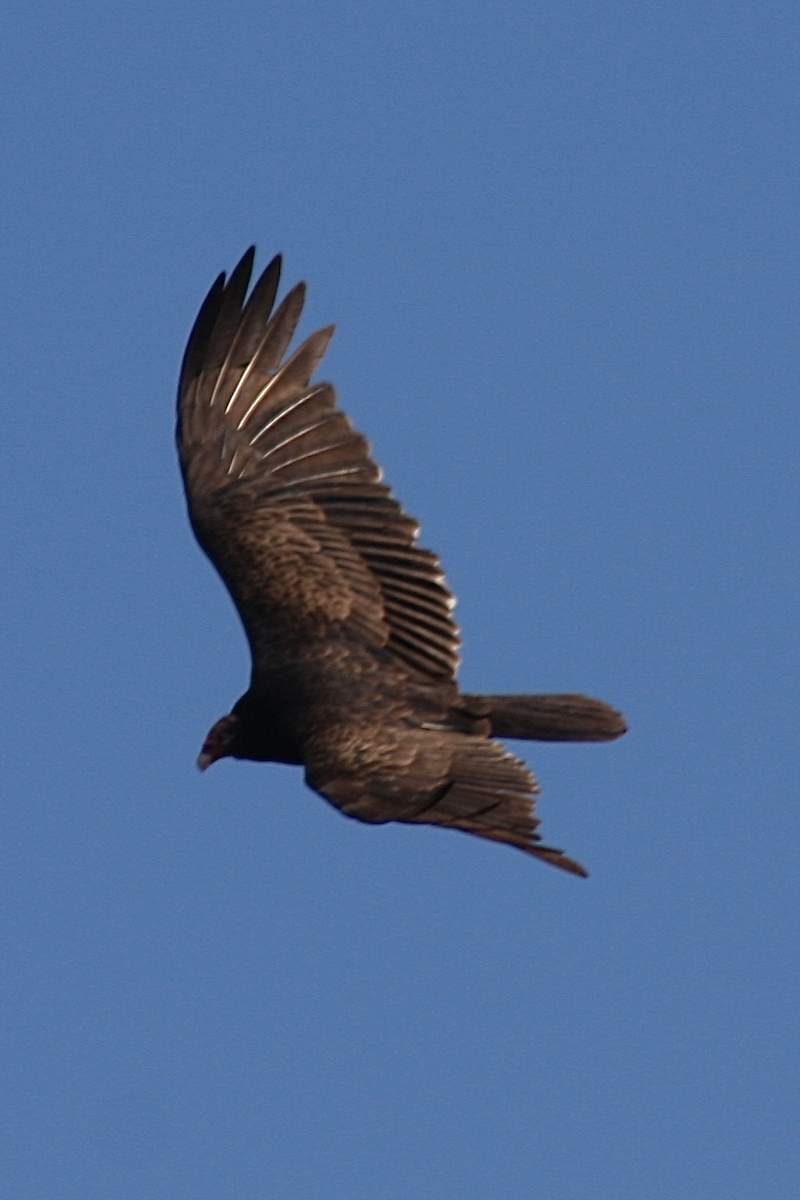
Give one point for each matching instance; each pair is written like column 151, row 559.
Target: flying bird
column 350, row 623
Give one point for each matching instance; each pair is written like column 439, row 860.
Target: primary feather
column 354, row 647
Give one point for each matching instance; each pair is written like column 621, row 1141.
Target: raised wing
column 282, row 492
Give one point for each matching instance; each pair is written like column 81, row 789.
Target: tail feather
column 561, row 718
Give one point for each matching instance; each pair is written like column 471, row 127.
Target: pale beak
column 204, row 760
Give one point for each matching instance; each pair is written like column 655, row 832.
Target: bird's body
column 350, row 623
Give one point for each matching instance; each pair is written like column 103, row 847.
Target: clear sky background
column 559, row 240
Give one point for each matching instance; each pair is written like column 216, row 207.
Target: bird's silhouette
column 354, row 647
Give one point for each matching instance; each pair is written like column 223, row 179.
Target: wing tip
column 558, row 859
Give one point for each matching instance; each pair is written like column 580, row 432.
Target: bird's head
column 219, row 741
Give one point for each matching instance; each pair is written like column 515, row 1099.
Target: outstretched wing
column 454, row 781
column 491, row 794
column 283, row 495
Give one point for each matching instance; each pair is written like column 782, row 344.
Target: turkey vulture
column 349, row 621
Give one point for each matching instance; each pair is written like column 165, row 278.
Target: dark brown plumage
column 349, row 622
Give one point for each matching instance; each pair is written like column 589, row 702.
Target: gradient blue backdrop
column 559, row 239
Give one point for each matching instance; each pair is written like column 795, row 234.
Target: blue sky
column 559, row 241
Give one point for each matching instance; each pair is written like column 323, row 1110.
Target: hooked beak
column 218, row 742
